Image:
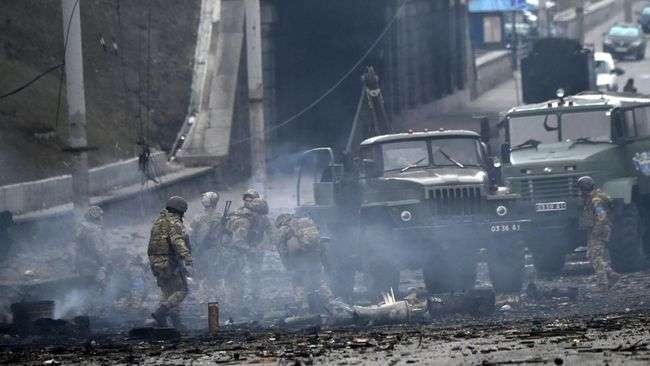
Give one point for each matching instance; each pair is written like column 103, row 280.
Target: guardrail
column 41, row 194
column 595, row 15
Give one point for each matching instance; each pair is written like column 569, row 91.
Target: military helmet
column 94, row 213
column 209, row 199
column 177, row 204
column 283, row 219
column 586, row 184
column 251, row 193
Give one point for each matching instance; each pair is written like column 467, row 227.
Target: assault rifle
column 224, row 221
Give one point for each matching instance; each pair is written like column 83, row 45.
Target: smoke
column 72, row 304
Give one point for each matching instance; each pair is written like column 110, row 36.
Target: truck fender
column 621, row 188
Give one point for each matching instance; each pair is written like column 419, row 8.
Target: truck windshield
column 455, row 151
column 549, row 128
column 405, row 154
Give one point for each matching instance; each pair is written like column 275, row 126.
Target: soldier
column 303, row 255
column 6, row 221
column 170, row 260
column 247, row 225
column 205, row 234
column 89, row 240
column 595, row 219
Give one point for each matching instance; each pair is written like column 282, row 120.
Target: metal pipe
column 213, row 318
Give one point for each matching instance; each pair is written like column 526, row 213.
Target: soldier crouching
column 170, row 260
column 303, row 256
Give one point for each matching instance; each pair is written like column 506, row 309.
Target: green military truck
column 421, row 200
column 548, row 146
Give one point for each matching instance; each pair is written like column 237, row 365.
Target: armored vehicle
column 550, row 145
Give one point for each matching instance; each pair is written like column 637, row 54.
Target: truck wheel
column 626, row 242
column 437, row 275
column 382, row 277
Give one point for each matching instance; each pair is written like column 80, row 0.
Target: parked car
column 606, row 72
column 644, row 19
column 625, row 39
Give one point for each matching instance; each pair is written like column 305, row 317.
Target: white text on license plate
column 550, row 206
column 505, row 228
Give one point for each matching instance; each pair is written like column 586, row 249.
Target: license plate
column 550, row 206
column 505, row 228
column 620, row 49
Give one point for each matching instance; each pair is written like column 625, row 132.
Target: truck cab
column 550, row 145
column 424, row 200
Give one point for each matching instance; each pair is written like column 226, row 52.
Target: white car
column 606, row 72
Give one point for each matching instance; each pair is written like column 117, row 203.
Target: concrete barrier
column 492, row 69
column 37, row 195
column 595, row 15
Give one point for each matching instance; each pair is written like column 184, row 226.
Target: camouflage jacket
column 596, row 210
column 168, row 238
column 249, row 224
column 205, row 230
column 89, row 240
column 298, row 243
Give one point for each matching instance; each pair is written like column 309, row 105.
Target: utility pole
column 580, row 21
column 542, row 19
column 627, row 8
column 256, row 93
column 77, row 143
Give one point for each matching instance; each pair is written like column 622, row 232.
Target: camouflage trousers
column 307, row 283
column 241, row 277
column 171, row 281
column 598, row 254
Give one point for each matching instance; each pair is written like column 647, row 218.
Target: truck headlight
column 502, row 210
column 406, row 216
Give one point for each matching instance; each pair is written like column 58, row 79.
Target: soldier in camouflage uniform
column 6, row 221
column 303, row 255
column 205, row 230
column 89, row 240
column 170, row 260
column 595, row 219
column 243, row 255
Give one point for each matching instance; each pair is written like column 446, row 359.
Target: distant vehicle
column 606, row 72
column 555, row 63
column 644, row 19
column 625, row 39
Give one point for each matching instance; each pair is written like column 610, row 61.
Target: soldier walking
column 595, row 219
column 89, row 240
column 205, row 232
column 303, row 256
column 170, row 260
column 248, row 226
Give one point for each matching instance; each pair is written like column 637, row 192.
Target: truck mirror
column 337, row 171
column 618, row 71
column 485, row 129
column 505, row 153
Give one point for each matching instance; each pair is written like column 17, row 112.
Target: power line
column 27, row 84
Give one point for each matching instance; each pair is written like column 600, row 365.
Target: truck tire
column 382, row 277
column 625, row 246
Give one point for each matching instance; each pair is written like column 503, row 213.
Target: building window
column 492, row 29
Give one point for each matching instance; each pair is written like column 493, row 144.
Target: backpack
column 306, row 235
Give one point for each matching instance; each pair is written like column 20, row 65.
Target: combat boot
column 160, row 316
column 176, row 321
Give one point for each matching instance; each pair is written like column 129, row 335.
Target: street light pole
column 627, row 8
column 256, row 93
column 580, row 20
column 76, row 100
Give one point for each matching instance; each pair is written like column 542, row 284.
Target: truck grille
column 549, row 188
column 455, row 201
